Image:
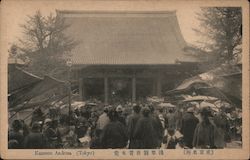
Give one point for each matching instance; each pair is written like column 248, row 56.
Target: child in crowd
column 170, row 140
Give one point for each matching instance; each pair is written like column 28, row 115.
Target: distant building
column 127, row 55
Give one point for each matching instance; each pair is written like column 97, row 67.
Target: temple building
column 127, row 55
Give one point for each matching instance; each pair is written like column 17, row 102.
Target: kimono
column 189, row 122
column 114, row 135
column 204, row 136
column 132, row 121
column 145, row 134
column 35, row 140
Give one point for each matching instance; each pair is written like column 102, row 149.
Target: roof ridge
column 115, row 12
column 28, row 73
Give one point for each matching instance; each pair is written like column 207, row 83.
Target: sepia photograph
column 165, row 79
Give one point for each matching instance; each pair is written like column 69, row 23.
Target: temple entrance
column 119, row 90
column 93, row 88
column 144, row 88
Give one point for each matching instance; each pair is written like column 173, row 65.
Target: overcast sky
column 17, row 12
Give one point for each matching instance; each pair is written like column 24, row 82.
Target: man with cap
column 189, row 123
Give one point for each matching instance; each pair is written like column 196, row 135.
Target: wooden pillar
column 106, row 90
column 81, row 89
column 158, row 85
column 154, row 87
column 133, row 89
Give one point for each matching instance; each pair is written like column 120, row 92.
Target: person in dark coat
column 145, row 132
column 189, row 122
column 204, row 131
column 114, row 134
column 159, row 130
column 15, row 134
column 36, row 139
column 132, row 121
column 222, row 128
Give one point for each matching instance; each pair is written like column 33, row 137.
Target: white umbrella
column 199, row 98
column 167, row 105
column 210, row 105
column 78, row 104
column 155, row 99
column 220, row 103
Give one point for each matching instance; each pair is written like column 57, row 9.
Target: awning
column 25, row 87
column 223, row 82
column 20, row 79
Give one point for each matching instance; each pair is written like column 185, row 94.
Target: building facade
column 127, row 55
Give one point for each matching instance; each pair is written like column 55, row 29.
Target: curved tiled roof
column 124, row 38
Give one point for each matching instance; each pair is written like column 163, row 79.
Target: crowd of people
column 141, row 126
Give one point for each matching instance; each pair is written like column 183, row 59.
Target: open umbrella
column 210, row 105
column 169, row 105
column 78, row 104
column 155, row 99
column 199, row 98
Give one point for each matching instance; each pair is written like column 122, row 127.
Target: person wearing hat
column 222, row 128
column 171, row 119
column 47, row 124
column 103, row 119
column 114, row 134
column 16, row 134
column 37, row 116
column 132, row 121
column 13, row 144
column 204, row 131
column 121, row 117
column 52, row 134
column 189, row 122
column 158, row 128
column 145, row 132
column 36, row 139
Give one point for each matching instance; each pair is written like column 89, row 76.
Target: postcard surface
column 124, row 79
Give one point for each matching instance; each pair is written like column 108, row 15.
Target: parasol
column 78, row 104
column 167, row 105
column 210, row 105
column 199, row 98
column 155, row 99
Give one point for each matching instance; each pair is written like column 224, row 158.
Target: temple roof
column 125, row 38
